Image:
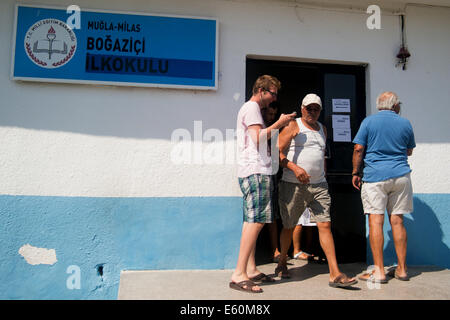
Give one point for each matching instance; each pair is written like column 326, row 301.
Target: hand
column 301, row 175
column 356, row 181
column 286, row 118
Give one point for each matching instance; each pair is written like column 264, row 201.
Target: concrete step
column 309, row 281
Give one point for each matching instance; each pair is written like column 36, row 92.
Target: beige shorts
column 394, row 195
column 294, row 198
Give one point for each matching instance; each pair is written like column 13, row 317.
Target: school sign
column 113, row 48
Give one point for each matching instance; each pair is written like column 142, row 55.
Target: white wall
column 83, row 140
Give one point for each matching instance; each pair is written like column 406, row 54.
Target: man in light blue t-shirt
column 387, row 140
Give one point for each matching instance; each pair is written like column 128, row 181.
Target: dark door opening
column 329, row 81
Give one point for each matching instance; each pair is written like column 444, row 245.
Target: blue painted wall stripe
column 428, row 231
column 155, row 233
column 120, row 233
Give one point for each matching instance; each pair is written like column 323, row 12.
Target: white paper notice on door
column 342, row 135
column 341, row 105
column 341, row 121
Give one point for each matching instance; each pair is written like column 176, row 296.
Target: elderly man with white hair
column 385, row 183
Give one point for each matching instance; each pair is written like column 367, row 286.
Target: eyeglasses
column 312, row 109
column 274, row 94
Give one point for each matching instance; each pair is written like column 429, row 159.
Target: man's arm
column 358, row 154
column 254, row 132
column 411, row 142
column 284, row 120
column 284, row 140
column 257, row 132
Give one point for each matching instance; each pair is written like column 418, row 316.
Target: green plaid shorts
column 257, row 190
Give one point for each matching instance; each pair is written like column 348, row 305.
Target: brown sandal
column 262, row 277
column 393, row 273
column 282, row 271
column 246, row 285
column 341, row 281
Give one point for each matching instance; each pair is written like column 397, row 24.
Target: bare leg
column 285, row 241
column 273, row 233
column 296, row 238
column 251, row 265
column 327, row 244
column 400, row 242
column 246, row 257
column 376, row 238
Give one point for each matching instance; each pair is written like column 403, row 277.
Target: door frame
column 339, row 180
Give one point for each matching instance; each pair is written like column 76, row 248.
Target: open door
column 342, row 90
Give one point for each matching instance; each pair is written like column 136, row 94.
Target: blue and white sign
column 113, row 48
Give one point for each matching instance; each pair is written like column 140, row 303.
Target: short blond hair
column 264, row 82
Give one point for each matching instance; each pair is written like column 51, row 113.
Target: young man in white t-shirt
column 254, row 174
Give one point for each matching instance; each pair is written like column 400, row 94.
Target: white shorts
column 394, row 195
column 305, row 219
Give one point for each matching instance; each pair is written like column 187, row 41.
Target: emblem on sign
column 50, row 43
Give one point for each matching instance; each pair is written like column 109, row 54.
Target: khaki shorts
column 393, row 195
column 294, row 198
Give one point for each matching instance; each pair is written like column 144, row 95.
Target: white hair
column 387, row 100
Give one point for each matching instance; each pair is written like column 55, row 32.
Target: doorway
column 342, row 90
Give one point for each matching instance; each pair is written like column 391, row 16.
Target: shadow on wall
column 426, row 233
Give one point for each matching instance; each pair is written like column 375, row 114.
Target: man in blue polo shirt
column 387, row 140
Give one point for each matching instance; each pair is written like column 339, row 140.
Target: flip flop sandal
column 372, row 278
column 341, row 281
column 405, row 278
column 393, row 273
column 282, row 271
column 298, row 255
column 263, row 278
column 246, row 286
